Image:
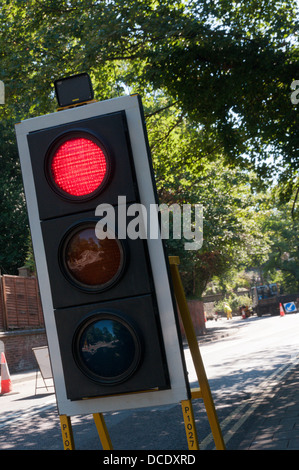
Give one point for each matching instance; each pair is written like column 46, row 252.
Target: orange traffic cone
column 281, row 310
column 5, row 377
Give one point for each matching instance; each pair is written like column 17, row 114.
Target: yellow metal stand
column 102, row 431
column 67, row 432
column 202, row 392
column 189, row 422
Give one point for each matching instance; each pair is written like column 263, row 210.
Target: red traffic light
column 78, row 166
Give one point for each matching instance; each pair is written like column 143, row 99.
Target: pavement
column 274, row 425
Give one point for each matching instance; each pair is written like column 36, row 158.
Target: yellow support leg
column 190, row 425
column 102, row 431
column 67, row 432
column 196, row 356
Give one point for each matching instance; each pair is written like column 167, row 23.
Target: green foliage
column 215, row 82
column 14, row 224
column 228, row 65
column 282, row 227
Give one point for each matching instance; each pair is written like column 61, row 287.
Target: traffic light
column 109, row 311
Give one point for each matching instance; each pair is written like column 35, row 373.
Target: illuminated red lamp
column 78, row 166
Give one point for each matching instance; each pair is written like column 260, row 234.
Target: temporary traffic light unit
column 109, row 312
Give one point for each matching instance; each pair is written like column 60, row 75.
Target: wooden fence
column 20, row 306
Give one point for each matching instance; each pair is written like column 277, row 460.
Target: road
column 243, row 367
column 243, row 361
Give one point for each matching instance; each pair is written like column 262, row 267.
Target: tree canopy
column 215, row 79
column 228, row 65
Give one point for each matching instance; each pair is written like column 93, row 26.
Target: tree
column 14, row 232
column 223, row 69
column 232, row 232
column 229, row 65
column 282, row 263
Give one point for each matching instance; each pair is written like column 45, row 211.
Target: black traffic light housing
column 109, row 311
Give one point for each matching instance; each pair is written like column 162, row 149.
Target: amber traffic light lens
column 78, row 166
column 89, row 262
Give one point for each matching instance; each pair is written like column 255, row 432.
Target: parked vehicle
column 266, row 300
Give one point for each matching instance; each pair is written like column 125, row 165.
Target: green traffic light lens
column 107, row 349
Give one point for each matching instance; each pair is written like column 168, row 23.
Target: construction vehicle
column 266, row 299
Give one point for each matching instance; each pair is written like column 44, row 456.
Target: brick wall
column 17, row 346
column 196, row 310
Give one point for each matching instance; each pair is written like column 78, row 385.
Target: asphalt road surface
column 243, row 360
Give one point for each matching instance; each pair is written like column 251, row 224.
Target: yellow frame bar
column 205, row 391
column 189, row 422
column 103, row 431
column 67, row 432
